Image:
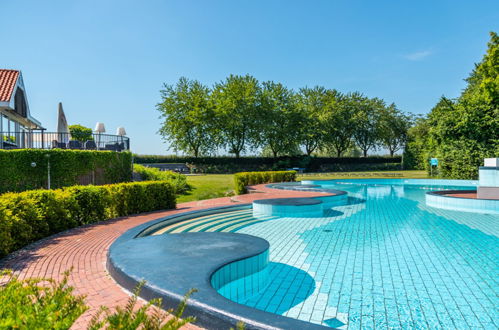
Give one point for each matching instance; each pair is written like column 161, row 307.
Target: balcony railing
column 52, row 140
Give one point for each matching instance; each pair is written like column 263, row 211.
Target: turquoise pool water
column 384, row 260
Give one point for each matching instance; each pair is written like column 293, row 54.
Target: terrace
column 51, row 140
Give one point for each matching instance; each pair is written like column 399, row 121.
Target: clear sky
column 107, row 59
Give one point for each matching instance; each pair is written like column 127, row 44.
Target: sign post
column 433, row 162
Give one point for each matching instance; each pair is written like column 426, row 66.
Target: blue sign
column 434, row 162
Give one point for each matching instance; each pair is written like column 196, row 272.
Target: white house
column 16, row 121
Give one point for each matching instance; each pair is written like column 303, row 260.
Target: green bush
column 31, row 215
column 244, row 179
column 138, row 197
column 225, row 164
column 80, row 133
column 179, row 181
column 38, row 303
column 149, row 316
column 66, row 168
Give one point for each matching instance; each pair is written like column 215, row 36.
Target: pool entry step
column 288, row 207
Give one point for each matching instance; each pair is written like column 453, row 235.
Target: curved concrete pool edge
column 441, row 199
column 192, row 260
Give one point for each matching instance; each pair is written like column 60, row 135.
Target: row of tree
column 461, row 132
column 241, row 114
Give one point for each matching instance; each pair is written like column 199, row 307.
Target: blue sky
column 106, row 60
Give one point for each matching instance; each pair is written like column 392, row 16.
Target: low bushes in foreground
column 179, row 181
column 149, row 316
column 41, row 303
column 32, row 215
column 38, row 303
column 244, row 179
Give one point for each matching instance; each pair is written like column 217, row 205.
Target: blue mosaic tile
column 384, row 260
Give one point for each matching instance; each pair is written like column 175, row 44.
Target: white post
column 48, row 171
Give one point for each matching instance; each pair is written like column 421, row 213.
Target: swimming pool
column 383, row 260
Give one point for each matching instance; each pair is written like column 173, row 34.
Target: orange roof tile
column 8, row 79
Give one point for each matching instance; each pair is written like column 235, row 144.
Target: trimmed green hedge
column 179, row 181
column 311, row 164
column 66, row 168
column 244, row 179
column 31, row 215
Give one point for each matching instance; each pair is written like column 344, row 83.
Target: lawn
column 208, row 186
column 220, row 185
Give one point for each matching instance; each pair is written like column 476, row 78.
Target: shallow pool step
column 224, row 222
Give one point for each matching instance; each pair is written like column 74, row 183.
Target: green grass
column 208, row 186
column 220, row 185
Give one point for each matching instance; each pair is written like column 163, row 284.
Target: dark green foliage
column 149, row 316
column 461, row 132
column 38, row 303
column 31, row 215
column 311, row 164
column 244, row 179
column 66, row 166
column 187, row 113
column 178, row 181
column 80, row 133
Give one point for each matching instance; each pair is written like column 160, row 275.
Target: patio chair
column 112, row 147
column 74, row 144
column 57, row 144
column 90, row 145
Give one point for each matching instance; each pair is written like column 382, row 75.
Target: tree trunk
column 365, row 153
column 391, row 153
column 338, row 153
column 237, row 153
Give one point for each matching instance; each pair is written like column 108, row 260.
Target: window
column 20, row 103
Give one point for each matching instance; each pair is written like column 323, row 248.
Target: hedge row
column 179, row 181
column 244, row 179
column 31, row 215
column 66, row 168
column 311, row 164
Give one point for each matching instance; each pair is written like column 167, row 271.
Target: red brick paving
column 84, row 250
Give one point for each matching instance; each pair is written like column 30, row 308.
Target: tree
column 279, row 119
column 235, row 102
column 310, row 106
column 462, row 132
column 416, row 144
column 366, row 120
column 80, row 133
column 393, row 128
column 338, row 121
column 188, row 118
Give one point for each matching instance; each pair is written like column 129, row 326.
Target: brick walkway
column 84, row 250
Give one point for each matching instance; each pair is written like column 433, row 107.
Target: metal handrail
column 52, row 140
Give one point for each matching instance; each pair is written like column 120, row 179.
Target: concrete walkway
column 84, row 251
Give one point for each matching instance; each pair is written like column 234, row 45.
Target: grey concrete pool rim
column 288, row 201
column 189, row 261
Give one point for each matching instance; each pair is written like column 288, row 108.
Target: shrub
column 66, row 168
column 179, row 181
column 225, row 164
column 149, row 316
column 138, row 197
column 80, row 133
column 31, row 215
column 38, row 303
column 244, row 179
